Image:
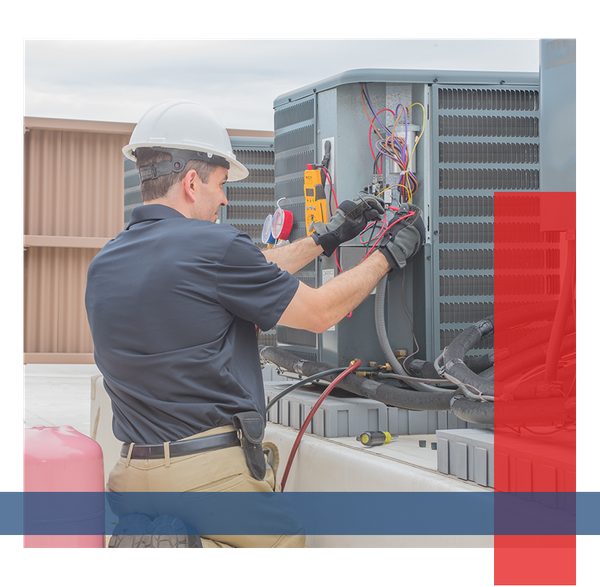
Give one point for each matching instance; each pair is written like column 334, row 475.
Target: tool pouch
column 251, row 430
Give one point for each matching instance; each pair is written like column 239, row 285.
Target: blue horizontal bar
column 326, row 513
column 11, row 513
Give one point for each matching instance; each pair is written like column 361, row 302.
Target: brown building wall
column 73, row 204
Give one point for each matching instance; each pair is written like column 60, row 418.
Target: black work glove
column 403, row 240
column 349, row 220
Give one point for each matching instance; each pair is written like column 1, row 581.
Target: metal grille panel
column 490, row 153
column 484, row 99
column 485, row 141
column 294, row 146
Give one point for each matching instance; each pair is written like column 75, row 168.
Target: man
column 173, row 304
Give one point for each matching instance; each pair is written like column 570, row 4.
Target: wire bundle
column 392, row 146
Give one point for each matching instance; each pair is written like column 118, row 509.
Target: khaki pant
column 223, row 470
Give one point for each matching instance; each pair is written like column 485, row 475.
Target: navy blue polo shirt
column 172, row 304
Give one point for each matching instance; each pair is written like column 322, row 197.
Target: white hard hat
column 189, row 126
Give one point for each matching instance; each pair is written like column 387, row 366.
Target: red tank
column 61, row 459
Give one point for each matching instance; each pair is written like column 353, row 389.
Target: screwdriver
column 374, row 438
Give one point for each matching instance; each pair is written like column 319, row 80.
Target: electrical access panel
column 443, row 140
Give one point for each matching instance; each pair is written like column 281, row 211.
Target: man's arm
column 293, row 256
column 317, row 310
column 349, row 220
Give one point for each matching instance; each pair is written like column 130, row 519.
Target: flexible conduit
column 384, row 342
column 437, row 400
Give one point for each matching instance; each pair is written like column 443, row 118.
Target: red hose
column 341, row 376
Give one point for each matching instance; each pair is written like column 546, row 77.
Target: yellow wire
column 398, row 185
column 419, row 137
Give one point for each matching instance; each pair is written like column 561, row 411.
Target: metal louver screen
column 294, row 146
column 252, row 199
column 294, row 150
column 485, row 140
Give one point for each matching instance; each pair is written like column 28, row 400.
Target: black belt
column 182, row 447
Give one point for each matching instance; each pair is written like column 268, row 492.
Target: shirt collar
column 151, row 212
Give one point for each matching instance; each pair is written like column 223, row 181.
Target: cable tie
column 484, row 327
column 298, row 366
column 452, row 362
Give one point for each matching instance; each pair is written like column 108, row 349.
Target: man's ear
column 191, row 183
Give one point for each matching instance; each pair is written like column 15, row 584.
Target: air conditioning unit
column 460, row 136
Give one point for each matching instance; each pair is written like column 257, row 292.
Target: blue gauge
column 267, row 234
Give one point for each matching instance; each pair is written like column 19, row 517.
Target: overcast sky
column 118, row 80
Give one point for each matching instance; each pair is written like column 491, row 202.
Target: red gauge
column 282, row 224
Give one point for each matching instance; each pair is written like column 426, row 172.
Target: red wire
column 371, row 146
column 310, row 417
column 336, row 261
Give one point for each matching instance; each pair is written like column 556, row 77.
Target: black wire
column 302, row 382
column 376, row 162
column 371, row 235
column 325, row 171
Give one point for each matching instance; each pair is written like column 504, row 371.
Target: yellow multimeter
column 315, row 201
